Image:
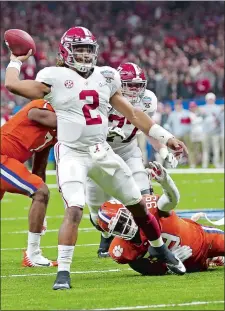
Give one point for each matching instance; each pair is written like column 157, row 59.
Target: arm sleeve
column 170, row 197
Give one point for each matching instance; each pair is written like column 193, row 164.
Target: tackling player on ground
column 196, row 245
column 30, row 132
column 122, row 137
column 80, row 92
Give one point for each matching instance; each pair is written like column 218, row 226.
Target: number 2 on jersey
column 87, row 107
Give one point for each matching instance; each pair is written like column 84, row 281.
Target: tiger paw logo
column 117, row 251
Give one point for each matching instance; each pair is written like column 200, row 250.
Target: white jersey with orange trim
column 81, row 105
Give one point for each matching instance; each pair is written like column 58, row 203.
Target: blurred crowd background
column 180, row 45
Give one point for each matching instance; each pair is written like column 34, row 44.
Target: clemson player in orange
column 196, row 246
column 30, row 132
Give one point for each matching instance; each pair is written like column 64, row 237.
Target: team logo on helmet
column 108, row 75
column 68, row 84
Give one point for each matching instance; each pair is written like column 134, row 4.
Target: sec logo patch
column 68, row 84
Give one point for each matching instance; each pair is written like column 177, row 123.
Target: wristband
column 163, row 152
column 15, row 64
column 160, row 134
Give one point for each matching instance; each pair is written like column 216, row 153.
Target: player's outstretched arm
column 143, row 122
column 171, row 196
column 27, row 88
column 43, row 116
column 40, row 163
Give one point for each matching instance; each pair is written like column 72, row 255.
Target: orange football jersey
column 176, row 231
column 21, row 137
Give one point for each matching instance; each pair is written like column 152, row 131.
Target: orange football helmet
column 115, row 218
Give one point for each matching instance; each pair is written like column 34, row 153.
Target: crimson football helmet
column 115, row 218
column 79, row 49
column 133, row 81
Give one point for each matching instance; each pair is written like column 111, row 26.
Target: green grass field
column 101, row 283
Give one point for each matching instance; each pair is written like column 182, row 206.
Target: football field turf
column 101, row 283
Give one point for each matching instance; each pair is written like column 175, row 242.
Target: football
column 19, row 42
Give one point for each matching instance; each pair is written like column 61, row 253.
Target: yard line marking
column 176, row 171
column 73, row 272
column 155, row 184
column 50, row 246
column 212, row 211
column 53, row 230
column 162, row 305
column 85, row 216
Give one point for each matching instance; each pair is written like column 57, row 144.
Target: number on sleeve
column 87, row 107
column 151, row 201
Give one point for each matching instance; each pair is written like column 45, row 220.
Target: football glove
column 115, row 134
column 157, row 172
column 168, row 157
column 182, row 252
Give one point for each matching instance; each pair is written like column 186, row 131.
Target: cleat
column 102, row 253
column 178, row 268
column 62, row 281
column 37, row 260
column 104, row 247
column 173, row 263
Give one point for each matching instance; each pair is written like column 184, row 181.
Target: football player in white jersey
column 122, row 137
column 79, row 92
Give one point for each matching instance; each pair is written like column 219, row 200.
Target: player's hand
column 168, row 157
column 22, row 58
column 157, row 172
column 178, row 146
column 115, row 134
column 183, row 252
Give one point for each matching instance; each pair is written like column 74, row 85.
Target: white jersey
column 80, row 104
column 147, row 104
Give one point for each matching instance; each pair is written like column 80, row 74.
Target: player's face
column 133, row 90
column 123, row 224
column 83, row 53
column 134, row 86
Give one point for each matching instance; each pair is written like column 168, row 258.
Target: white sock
column 157, row 243
column 65, row 255
column 33, row 242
